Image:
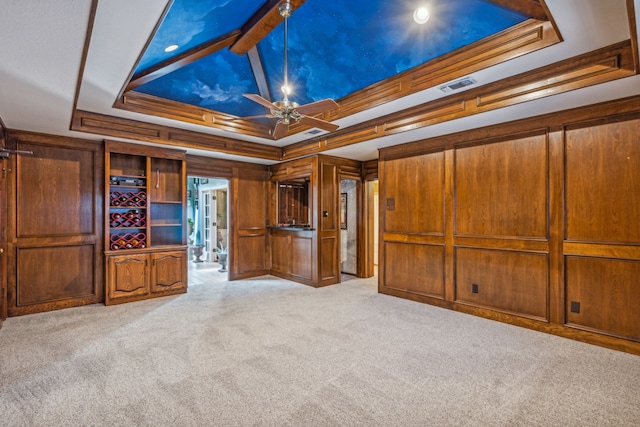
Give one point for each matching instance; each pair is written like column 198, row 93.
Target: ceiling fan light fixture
column 285, row 9
column 286, row 89
column 421, row 15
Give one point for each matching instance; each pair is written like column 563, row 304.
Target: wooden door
column 54, row 223
column 210, row 225
column 169, row 272
column 248, row 194
column 127, row 277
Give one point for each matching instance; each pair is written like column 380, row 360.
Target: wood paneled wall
column 537, row 227
column 55, row 223
column 3, row 228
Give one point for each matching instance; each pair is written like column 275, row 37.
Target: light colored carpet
column 271, row 352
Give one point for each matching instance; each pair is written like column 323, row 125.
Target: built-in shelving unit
column 145, row 222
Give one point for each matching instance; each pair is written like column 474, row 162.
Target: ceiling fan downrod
column 285, row 11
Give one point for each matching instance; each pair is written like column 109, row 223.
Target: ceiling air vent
column 458, row 84
column 314, row 132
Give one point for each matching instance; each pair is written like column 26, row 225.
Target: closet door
column 54, row 248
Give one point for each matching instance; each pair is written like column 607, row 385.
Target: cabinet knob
column 1, row 251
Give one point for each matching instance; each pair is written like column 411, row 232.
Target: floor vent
column 314, row 132
column 458, row 84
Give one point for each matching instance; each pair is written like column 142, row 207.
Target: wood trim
column 219, row 168
column 299, row 168
column 85, row 52
column 607, row 64
column 143, row 150
column 577, row 117
column 630, row 252
column 3, row 229
column 633, row 31
column 530, row 8
column 556, row 304
column 182, row 60
column 260, row 25
column 152, row 105
column 516, row 41
column 84, row 121
column 370, row 170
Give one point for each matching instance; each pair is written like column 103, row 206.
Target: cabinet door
column 127, row 276
column 169, row 272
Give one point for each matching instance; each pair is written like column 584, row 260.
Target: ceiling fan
column 287, row 111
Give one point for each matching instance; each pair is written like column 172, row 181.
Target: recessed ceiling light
column 421, row 15
column 173, row 47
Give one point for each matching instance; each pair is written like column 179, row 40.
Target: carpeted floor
column 271, row 352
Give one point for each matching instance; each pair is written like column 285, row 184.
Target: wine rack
column 132, row 218
column 128, row 198
column 128, row 241
column 127, row 202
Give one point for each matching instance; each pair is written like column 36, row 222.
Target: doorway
column 349, row 227
column 207, row 229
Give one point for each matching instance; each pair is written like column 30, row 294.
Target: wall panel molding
column 84, row 121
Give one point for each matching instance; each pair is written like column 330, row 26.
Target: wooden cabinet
column 128, row 276
column 168, row 272
column 293, row 202
column 145, row 222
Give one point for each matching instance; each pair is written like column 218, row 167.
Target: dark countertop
column 291, row 227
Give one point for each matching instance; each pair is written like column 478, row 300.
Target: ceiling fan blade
column 321, row 124
column 318, row 106
column 280, row 130
column 260, row 100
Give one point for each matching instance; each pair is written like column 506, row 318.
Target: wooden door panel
column 168, row 271
column 65, row 279
column 281, row 253
column 603, row 295
column 248, row 193
column 414, row 268
column 414, row 194
column 60, row 180
column 127, row 276
column 516, row 282
column 252, row 251
column 603, row 183
column 329, row 267
column 501, row 189
column 302, row 257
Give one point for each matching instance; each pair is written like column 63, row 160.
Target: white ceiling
column 42, row 43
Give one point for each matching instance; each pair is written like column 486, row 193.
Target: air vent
column 458, row 84
column 314, row 132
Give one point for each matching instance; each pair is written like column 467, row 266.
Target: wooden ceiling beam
column 183, row 59
column 260, row 24
column 258, row 72
column 531, row 8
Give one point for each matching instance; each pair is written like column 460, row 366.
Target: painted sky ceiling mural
column 335, row 47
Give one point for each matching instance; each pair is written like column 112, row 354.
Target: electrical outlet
column 474, row 288
column 575, row 307
column 391, row 204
